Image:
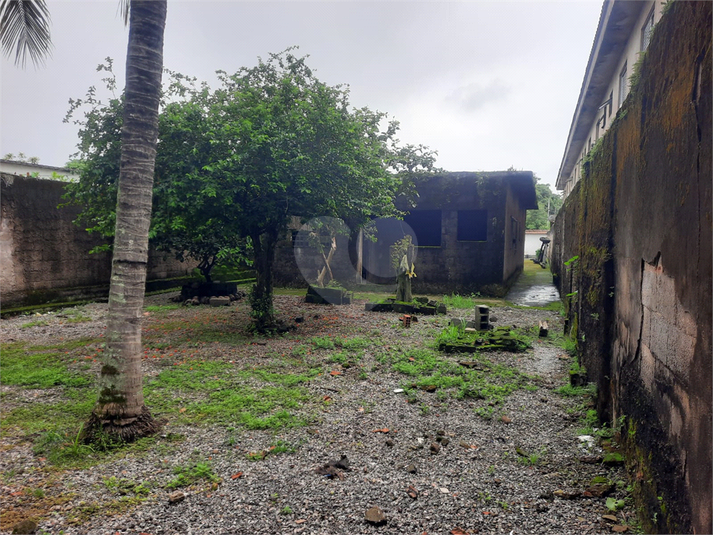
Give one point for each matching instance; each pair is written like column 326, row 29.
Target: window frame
column 623, row 84
column 647, row 30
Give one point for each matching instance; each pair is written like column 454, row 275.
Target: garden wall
column 640, row 291
column 45, row 257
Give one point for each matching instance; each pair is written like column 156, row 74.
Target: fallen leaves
column 334, row 373
column 383, row 430
column 412, row 492
column 236, row 476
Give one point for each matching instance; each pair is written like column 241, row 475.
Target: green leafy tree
column 187, row 219
column 288, row 144
column 548, row 204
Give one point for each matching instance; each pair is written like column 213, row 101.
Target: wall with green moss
column 640, row 223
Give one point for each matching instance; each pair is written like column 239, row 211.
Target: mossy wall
column 640, row 222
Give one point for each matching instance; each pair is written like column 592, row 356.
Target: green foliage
column 39, row 366
column 193, row 472
column 234, row 163
column 540, row 219
column 614, row 505
column 460, row 301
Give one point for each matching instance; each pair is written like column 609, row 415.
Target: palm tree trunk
column 120, row 410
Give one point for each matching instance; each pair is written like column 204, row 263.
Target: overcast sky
column 488, row 85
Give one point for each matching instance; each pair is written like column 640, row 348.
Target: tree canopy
column 546, row 200
column 234, row 163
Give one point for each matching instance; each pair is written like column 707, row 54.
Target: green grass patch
column 42, row 366
column 36, row 323
column 322, row 342
column 461, row 301
column 498, row 339
column 428, row 370
column 192, row 473
column 213, row 392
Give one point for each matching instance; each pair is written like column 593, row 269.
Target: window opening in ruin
column 472, row 225
column 426, row 224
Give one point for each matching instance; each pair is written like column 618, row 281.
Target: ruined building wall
column 44, row 256
column 640, row 224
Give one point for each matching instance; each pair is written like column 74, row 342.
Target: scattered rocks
column 390, row 443
column 334, row 468
column 435, row 448
column 375, row 516
column 176, row 497
column 505, row 419
column 567, row 495
column 381, row 474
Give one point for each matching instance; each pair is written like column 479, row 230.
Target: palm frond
column 123, row 10
column 25, row 27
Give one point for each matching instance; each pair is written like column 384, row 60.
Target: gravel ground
column 475, row 483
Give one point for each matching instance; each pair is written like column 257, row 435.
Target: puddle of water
column 534, row 296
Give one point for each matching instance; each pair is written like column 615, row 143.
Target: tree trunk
column 120, row 410
column 261, row 295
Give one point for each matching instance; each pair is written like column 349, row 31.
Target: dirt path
column 438, row 447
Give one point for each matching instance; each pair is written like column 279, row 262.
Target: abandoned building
column 468, row 230
column 624, row 33
column 632, row 249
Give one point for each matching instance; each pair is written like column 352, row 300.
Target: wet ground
column 534, row 287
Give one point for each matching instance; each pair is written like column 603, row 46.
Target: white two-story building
column 624, row 32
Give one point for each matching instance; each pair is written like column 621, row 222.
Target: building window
column 622, row 85
column 472, row 225
column 646, row 30
column 611, row 102
column 426, row 224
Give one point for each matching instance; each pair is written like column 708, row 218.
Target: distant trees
column 548, row 204
column 234, row 163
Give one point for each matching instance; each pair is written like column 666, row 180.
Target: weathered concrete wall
column 514, row 245
column 644, row 279
column 464, row 266
column 488, row 264
column 43, row 254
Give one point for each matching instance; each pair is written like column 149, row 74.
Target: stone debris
column 176, row 497
column 375, row 516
